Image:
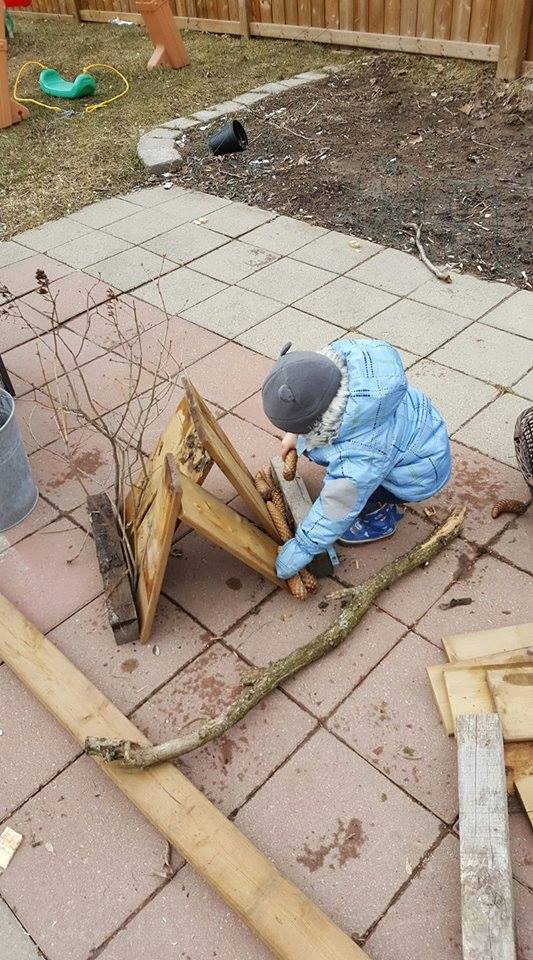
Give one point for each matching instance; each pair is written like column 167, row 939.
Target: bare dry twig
column 445, row 274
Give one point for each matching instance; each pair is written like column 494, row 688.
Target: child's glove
column 291, row 558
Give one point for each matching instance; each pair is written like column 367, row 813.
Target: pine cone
column 280, row 523
column 290, row 465
column 309, row 581
column 297, row 588
column 262, row 486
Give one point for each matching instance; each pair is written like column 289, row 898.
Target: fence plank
column 443, row 19
column 424, row 18
column 462, row 10
column 361, row 15
column 514, row 38
column 408, row 18
column 331, row 14
column 346, row 14
column 304, row 12
column 318, row 15
column 291, row 11
column 278, row 11
column 265, row 7
column 392, row 17
column 479, row 21
column 375, row 16
column 487, row 914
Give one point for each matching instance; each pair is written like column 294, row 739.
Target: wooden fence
column 489, row 30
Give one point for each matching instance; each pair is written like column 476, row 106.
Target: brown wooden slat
column 375, row 16
column 291, row 11
column 331, row 13
column 278, row 11
column 443, row 19
column 462, row 10
column 233, row 9
column 346, row 14
column 223, row 9
column 514, row 39
column 265, row 9
column 479, row 21
column 408, row 14
column 361, row 15
column 495, row 22
column 318, row 13
column 529, row 51
column 304, row 12
column 424, row 18
column 392, row 17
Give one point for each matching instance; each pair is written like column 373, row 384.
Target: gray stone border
column 157, row 149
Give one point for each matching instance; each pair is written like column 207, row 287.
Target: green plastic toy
column 52, row 83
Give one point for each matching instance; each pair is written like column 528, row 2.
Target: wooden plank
column 215, row 441
column 361, row 15
column 244, row 17
column 424, row 19
column 468, row 692
column 375, row 16
column 487, row 913
column 480, row 21
column 518, row 763
column 468, row 646
column 462, row 10
column 524, row 786
column 275, row 910
column 298, row 504
column 346, row 14
column 278, row 11
column 118, row 595
column 318, row 13
column 514, row 38
column 392, row 17
column 331, row 14
column 224, row 527
column 408, row 17
column 443, row 19
column 512, row 692
column 495, row 23
column 304, row 14
column 184, row 23
column 438, row 48
column 291, row 11
column 265, row 9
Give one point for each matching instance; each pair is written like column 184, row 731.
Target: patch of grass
column 51, row 165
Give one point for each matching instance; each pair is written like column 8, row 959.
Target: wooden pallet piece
column 275, row 910
column 467, row 646
column 512, row 692
column 468, row 692
column 222, row 451
column 119, row 601
column 524, row 786
column 487, row 913
column 298, row 504
column 223, row 526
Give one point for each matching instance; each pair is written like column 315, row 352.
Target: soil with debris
column 392, row 140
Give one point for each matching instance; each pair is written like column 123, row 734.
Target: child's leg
column 378, row 519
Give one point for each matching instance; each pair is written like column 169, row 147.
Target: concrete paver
column 53, row 233
column 11, row 252
column 178, row 290
column 467, row 296
column 304, row 331
column 455, row 395
column 235, row 219
column 185, row 243
column 346, row 302
column 234, row 261
column 286, row 280
column 524, row 387
column 516, row 543
column 414, row 326
column 393, row 271
column 232, row 311
column 89, row 249
column 14, row 936
column 337, row 252
column 34, row 363
column 514, row 315
column 191, row 204
column 98, row 215
column 131, row 268
column 42, row 514
column 143, row 225
column 487, row 353
column 283, row 235
column 491, row 430
column 18, row 278
column 72, row 295
column 230, row 374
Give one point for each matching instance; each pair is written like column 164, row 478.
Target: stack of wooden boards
column 492, row 672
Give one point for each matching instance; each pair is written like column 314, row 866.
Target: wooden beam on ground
column 487, row 913
column 298, row 504
column 275, row 910
column 224, row 527
column 119, row 601
column 514, row 38
column 512, row 692
column 466, row 646
column 222, row 451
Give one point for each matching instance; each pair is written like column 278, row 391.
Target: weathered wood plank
column 298, row 503
column 512, row 692
column 424, row 20
column 467, row 646
column 118, row 594
column 443, row 19
column 514, row 38
column 392, row 17
column 275, row 910
column 468, row 692
column 487, row 914
column 524, row 785
column 408, row 17
column 462, row 10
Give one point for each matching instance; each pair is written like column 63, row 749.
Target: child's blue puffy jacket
column 390, row 434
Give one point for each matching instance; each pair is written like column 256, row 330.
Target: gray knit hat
column 299, row 389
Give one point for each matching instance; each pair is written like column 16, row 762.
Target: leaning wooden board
column 282, row 917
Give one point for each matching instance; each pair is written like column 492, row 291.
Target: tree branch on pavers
column 263, row 680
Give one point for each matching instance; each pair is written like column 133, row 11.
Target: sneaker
column 375, row 525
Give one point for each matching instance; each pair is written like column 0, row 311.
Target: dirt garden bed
column 394, row 139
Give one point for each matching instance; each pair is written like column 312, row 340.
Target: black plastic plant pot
column 231, row 139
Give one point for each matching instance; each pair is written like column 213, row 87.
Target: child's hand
column 288, row 443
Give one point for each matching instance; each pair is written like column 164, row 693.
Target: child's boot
column 375, row 524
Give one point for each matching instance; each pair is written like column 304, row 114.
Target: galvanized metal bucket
column 18, row 493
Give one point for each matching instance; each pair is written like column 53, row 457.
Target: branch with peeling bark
column 440, row 274
column 263, row 680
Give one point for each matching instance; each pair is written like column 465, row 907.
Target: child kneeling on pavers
column 350, row 409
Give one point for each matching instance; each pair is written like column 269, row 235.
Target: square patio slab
column 131, row 268
column 491, row 430
column 25, row 574
column 185, row 243
column 338, row 252
column 514, row 315
column 516, row 543
column 358, row 563
column 34, row 746
column 228, row 770
column 192, row 204
column 211, row 585
column 251, row 410
column 178, row 290
column 11, row 252
column 14, row 937
column 152, row 196
column 42, row 514
column 173, row 919
column 477, row 482
column 304, row 331
column 19, row 278
column 414, row 326
column 456, row 396
column 89, row 249
column 35, row 362
column 117, row 322
column 333, row 840
column 171, row 346
column 283, row 235
column 52, row 234
column 524, row 387
column 98, row 215
column 73, row 295
column 500, row 595
column 235, row 219
column 143, row 225
column 346, row 303
column 130, row 672
column 280, row 625
column 287, row 280
column 486, row 353
column 232, row 311
column 390, row 719
column 234, row 261
column 393, row 271
column 21, row 323
column 230, row 375
column 110, row 380
column 465, row 295
column 96, row 857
